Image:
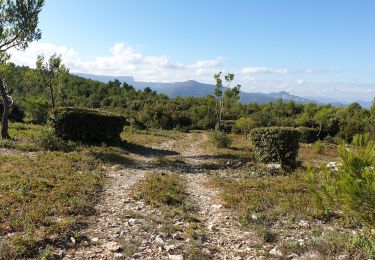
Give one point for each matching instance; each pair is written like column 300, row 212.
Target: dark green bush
column 135, row 124
column 276, row 144
column 220, row 139
column 16, row 114
column 308, row 135
column 227, row 126
column 85, row 125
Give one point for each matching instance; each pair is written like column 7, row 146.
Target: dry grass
column 273, row 206
column 149, row 137
column 162, row 189
column 42, row 195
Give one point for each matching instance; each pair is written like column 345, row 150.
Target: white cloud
column 263, row 70
column 123, row 60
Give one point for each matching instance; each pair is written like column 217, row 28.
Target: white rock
column 292, row 256
column 211, row 227
column 216, row 206
column 159, row 240
column 274, row 165
column 113, row 246
column 170, row 247
column 175, row 257
column 275, row 251
column 73, row 240
column 94, row 239
column 254, row 217
column 133, row 221
column 333, row 165
column 303, row 223
column 118, row 256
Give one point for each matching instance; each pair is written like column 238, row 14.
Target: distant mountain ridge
column 198, row 89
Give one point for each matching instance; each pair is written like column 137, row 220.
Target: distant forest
column 31, row 90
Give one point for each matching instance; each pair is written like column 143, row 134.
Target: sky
column 314, row 48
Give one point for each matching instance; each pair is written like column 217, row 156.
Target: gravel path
column 126, row 228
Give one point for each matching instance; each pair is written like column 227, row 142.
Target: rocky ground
column 126, row 228
column 129, row 228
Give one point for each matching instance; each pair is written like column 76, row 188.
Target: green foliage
column 276, row 144
column 51, row 73
column 87, row 126
column 228, row 102
column 317, row 147
column 351, row 186
column 244, row 124
column 353, row 121
column 47, row 140
column 36, row 109
column 360, row 140
column 19, row 23
column 152, row 110
column 308, row 135
column 220, row 139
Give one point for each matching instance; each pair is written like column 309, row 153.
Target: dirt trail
column 104, row 230
column 224, row 231
column 128, row 226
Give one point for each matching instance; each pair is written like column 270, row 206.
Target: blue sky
column 310, row 48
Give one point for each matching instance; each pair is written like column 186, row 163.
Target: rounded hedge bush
column 308, row 135
column 86, row 125
column 276, row 145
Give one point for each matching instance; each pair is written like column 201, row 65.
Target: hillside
column 196, row 89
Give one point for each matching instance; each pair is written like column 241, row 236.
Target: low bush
column 276, row 144
column 47, row 140
column 159, row 189
column 87, row 126
column 349, row 187
column 220, row 139
column 308, row 135
column 318, row 147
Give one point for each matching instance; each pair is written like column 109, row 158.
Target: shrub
column 161, row 189
column 276, row 144
column 244, row 125
column 360, row 140
column 47, row 140
column 135, row 124
column 36, row 109
column 220, row 139
column 308, row 135
column 350, row 186
column 226, row 126
column 85, row 125
column 16, row 114
column 318, row 147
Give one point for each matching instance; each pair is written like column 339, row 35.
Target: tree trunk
column 4, row 121
column 52, row 96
